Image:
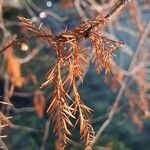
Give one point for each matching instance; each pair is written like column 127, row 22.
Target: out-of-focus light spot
column 24, row 47
column 42, row 15
column 48, row 3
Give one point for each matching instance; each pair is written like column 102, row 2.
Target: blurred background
column 29, row 127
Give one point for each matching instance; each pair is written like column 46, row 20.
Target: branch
column 45, row 136
column 18, row 41
column 24, row 128
column 117, row 8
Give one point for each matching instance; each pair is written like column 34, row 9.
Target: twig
column 6, row 103
column 28, row 129
column 111, row 114
column 23, row 109
column 2, row 145
column 117, row 8
column 31, row 55
column 23, row 94
column 18, row 41
column 79, row 9
column 45, row 136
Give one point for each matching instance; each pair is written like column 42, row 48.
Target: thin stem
column 45, row 136
column 117, row 8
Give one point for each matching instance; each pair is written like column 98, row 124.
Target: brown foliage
column 39, row 103
column 13, row 68
column 73, row 60
column 71, row 64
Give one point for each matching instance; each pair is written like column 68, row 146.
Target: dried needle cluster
column 70, row 66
